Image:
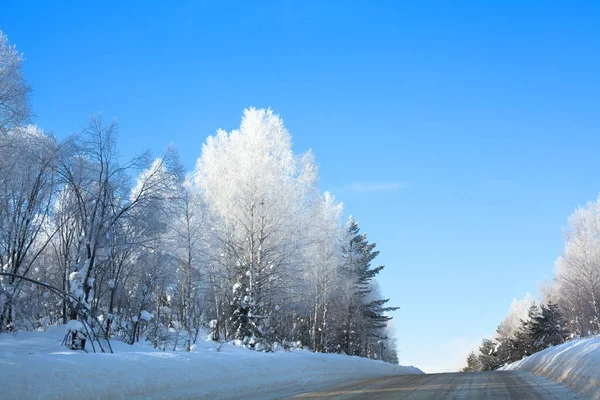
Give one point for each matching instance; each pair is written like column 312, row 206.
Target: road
column 500, row 385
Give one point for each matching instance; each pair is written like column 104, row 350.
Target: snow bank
column 575, row 364
column 35, row 366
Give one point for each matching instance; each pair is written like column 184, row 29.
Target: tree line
column 244, row 247
column 569, row 307
column 543, row 327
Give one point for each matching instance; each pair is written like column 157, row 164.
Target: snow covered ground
column 575, row 364
column 35, row 366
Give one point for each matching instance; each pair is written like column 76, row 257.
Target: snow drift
column 575, row 364
column 35, row 365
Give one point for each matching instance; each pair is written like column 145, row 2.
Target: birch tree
column 578, row 270
column 28, row 161
column 14, row 91
column 92, row 174
column 255, row 189
column 323, row 263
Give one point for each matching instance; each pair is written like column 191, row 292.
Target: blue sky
column 459, row 134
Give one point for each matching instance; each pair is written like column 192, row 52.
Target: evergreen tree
column 473, row 363
column 547, row 328
column 523, row 341
column 366, row 317
column 504, row 351
column 487, row 356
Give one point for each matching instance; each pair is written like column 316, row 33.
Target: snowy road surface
column 514, row 385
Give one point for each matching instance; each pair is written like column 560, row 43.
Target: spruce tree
column 366, row 318
column 473, row 363
column 547, row 328
column 504, row 349
column 523, row 341
column 487, row 356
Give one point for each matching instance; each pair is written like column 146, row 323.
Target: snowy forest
column 245, row 248
column 570, row 305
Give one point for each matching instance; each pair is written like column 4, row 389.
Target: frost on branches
column 245, row 246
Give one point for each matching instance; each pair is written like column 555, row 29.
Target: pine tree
column 366, row 316
column 523, row 341
column 547, row 328
column 504, row 351
column 487, row 356
column 473, row 363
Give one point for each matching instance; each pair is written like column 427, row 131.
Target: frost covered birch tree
column 244, row 247
column 189, row 234
column 255, row 190
column 28, row 163
column 14, row 91
column 97, row 182
column 578, row 270
column 323, row 259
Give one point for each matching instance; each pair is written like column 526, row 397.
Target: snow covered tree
column 246, row 246
column 324, row 259
column 255, row 189
column 506, row 331
column 366, row 313
column 14, row 91
column 543, row 327
column 93, row 177
column 523, row 343
column 578, row 271
column 188, row 228
column 28, row 163
column 505, row 345
column 390, row 353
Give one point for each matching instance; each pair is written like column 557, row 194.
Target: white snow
column 35, row 366
column 74, row 326
column 145, row 315
column 575, row 364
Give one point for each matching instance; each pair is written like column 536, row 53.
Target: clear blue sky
column 459, row 134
